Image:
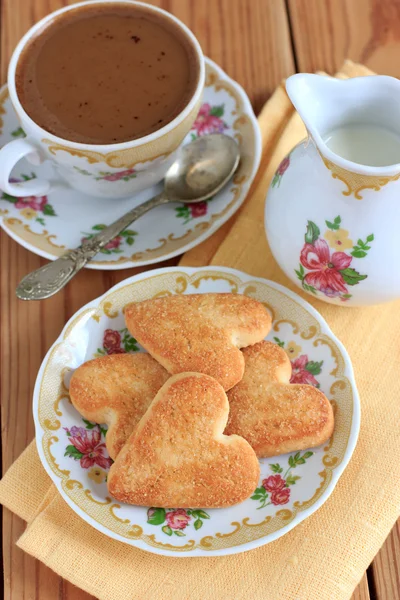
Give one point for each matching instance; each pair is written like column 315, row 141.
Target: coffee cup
column 111, row 170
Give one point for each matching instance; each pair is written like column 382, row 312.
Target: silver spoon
column 201, row 169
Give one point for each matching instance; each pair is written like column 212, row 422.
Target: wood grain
column 250, row 40
column 386, row 567
column 326, row 32
column 362, row 590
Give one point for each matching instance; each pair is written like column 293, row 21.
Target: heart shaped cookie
column 178, row 456
column 199, row 332
column 273, row 415
column 116, row 390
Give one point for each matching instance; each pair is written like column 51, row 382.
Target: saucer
column 72, row 449
column 49, row 225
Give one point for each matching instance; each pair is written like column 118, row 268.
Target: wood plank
column 386, row 567
column 362, row 590
column 326, row 32
column 250, row 40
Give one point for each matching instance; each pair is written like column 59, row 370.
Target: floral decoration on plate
column 291, row 486
column 117, row 342
column 166, row 231
column 86, row 445
column 175, row 520
column 275, row 489
column 303, row 369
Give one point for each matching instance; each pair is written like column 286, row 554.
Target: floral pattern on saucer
column 30, row 207
column 192, row 211
column 291, row 486
column 114, row 246
column 209, row 120
column 160, row 234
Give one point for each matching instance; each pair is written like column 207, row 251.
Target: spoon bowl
column 202, row 168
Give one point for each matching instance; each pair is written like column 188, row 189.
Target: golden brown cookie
column 273, row 415
column 116, row 390
column 178, row 456
column 199, row 332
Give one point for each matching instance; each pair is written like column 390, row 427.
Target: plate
column 73, row 453
column 49, row 225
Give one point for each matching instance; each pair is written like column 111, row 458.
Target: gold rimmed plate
column 291, row 486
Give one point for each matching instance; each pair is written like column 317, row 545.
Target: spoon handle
column 52, row 277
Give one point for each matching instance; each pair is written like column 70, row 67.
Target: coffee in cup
column 103, row 89
column 106, row 73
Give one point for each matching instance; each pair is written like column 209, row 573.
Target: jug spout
column 325, row 104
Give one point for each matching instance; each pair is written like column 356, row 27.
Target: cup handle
column 10, row 154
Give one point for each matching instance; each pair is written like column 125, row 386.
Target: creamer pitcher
column 333, row 209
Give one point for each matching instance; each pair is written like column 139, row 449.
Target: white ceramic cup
column 107, row 170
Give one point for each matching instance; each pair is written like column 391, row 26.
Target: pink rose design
column 36, row 202
column 119, row 175
column 177, row 519
column 88, row 443
column 300, row 373
column 199, row 209
column 115, row 243
column 325, row 269
column 206, row 122
column 280, row 496
column 273, row 483
column 283, row 166
column 113, row 177
column 111, row 341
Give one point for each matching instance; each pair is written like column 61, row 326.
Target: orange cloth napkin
column 324, row 557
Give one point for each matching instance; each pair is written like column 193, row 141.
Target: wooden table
column 258, row 43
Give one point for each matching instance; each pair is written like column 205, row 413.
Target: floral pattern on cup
column 18, row 133
column 209, row 120
column 188, row 212
column 303, row 369
column 114, row 246
column 86, row 445
column 275, row 489
column 30, row 207
column 331, row 273
column 276, row 180
column 117, row 341
column 176, row 519
column 125, row 175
